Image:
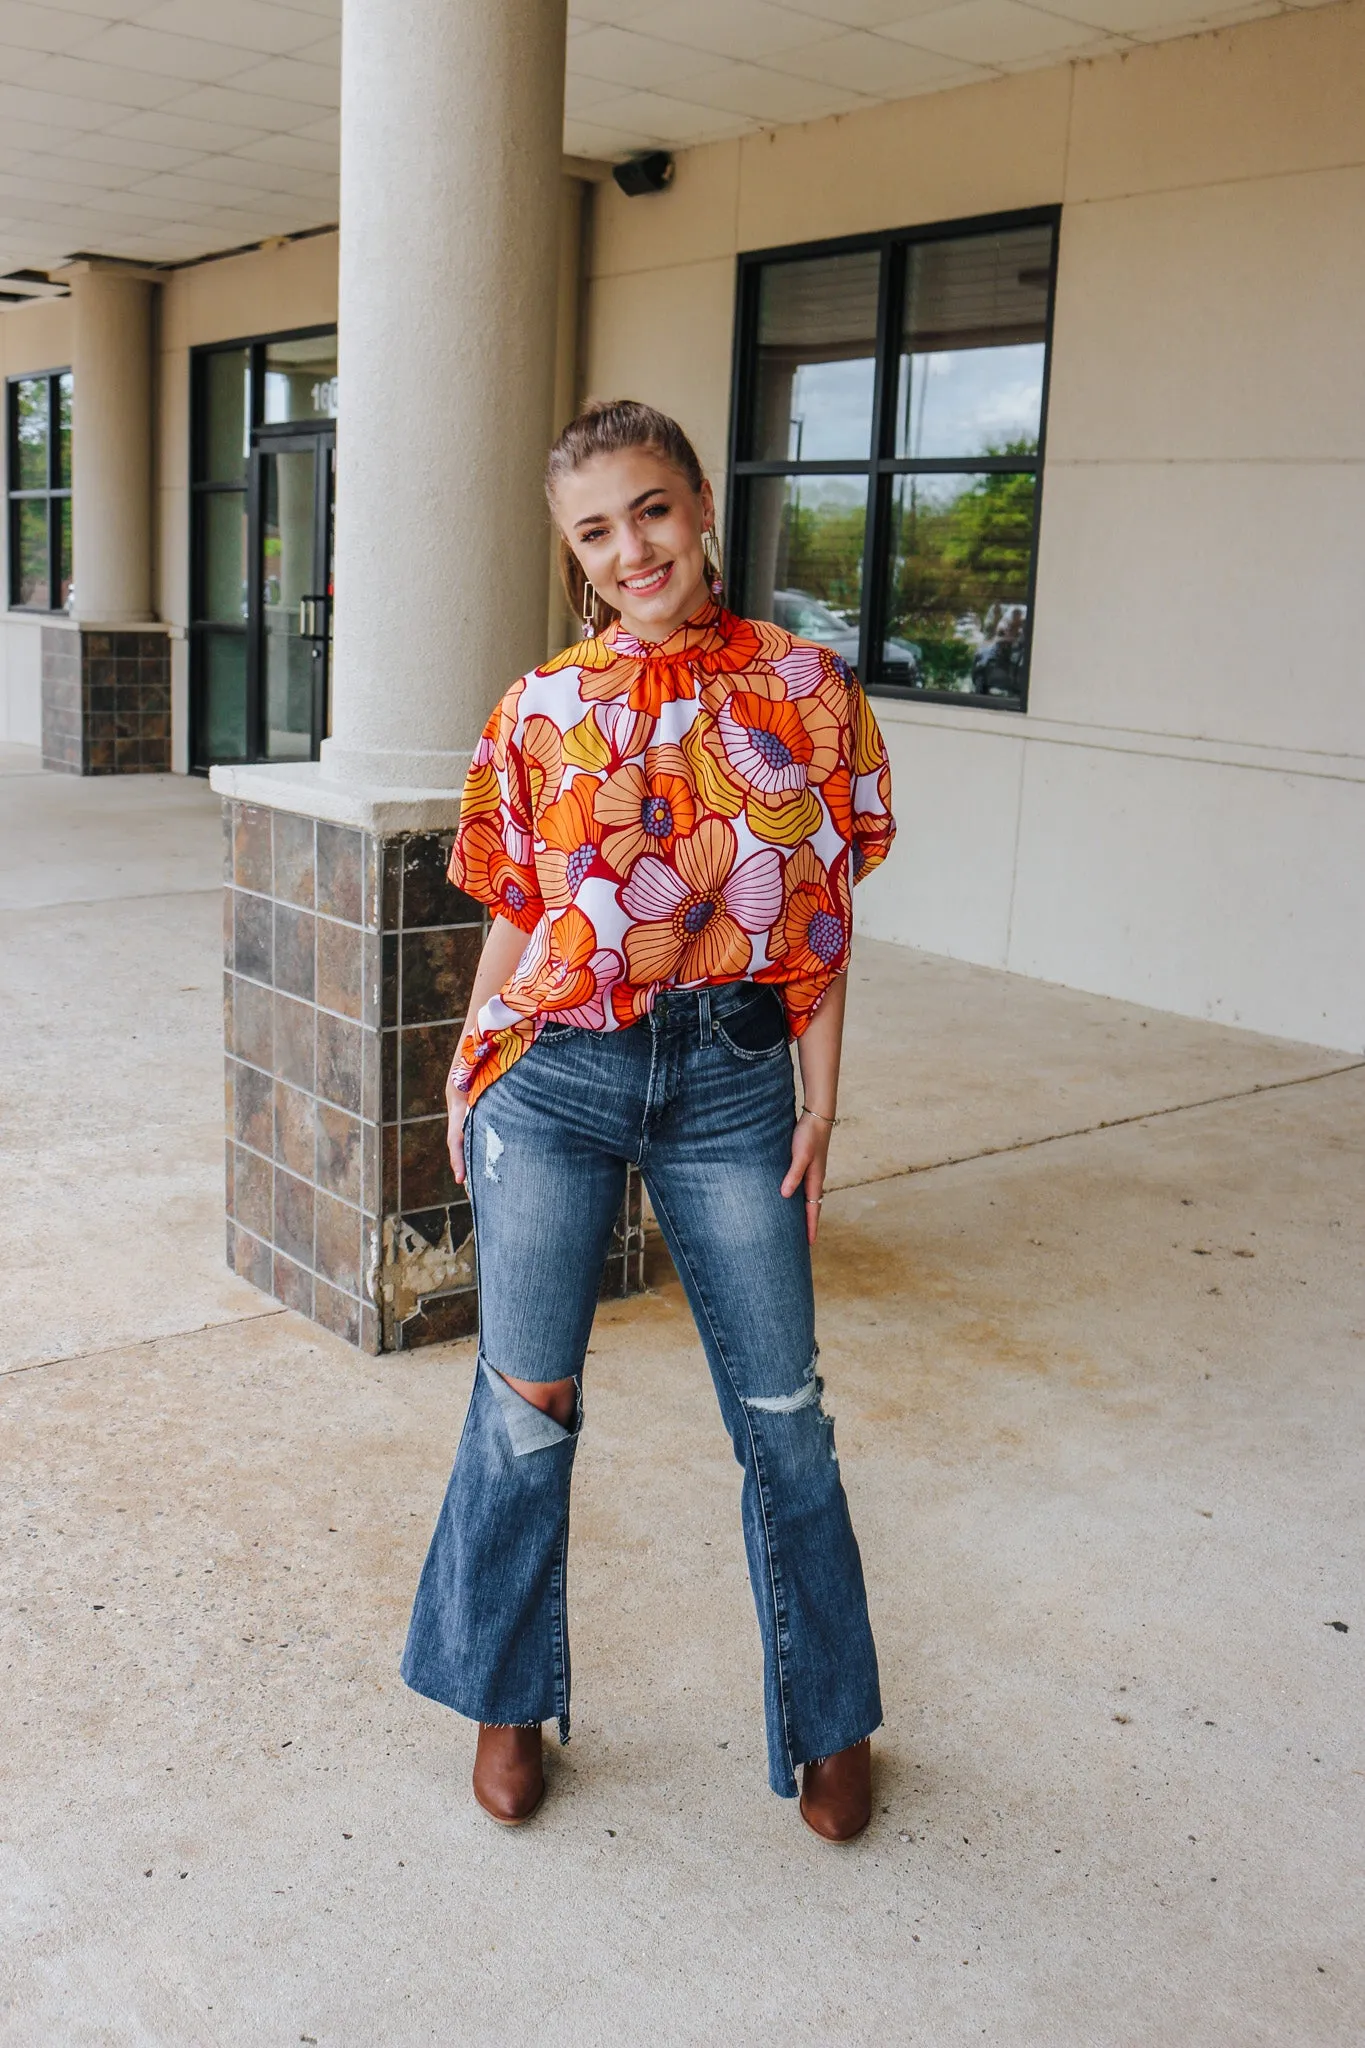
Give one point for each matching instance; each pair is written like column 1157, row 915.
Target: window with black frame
column 887, row 443
column 38, row 482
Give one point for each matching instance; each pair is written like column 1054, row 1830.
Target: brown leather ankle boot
column 509, row 1773
column 836, row 1793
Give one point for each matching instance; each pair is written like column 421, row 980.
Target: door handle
column 313, row 618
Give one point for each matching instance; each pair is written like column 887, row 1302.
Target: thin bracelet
column 830, row 1120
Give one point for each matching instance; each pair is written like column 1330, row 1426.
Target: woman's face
column 635, row 524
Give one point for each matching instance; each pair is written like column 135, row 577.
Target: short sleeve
column 493, row 857
column 873, row 827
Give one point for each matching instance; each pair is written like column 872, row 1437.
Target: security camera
column 645, row 173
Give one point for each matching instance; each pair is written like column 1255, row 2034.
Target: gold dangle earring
column 589, row 611
column 710, row 549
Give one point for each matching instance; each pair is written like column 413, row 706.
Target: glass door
column 291, row 495
column 262, row 502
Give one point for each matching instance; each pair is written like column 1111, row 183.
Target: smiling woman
column 667, row 820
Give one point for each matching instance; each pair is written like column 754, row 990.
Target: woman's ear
column 708, row 504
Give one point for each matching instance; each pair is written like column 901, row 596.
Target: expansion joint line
column 140, row 1343
column 1109, row 1123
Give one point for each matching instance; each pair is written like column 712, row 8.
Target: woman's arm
column 818, row 1051
column 502, row 949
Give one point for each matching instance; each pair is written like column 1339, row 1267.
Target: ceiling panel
column 177, row 128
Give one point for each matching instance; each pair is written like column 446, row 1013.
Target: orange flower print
column 609, row 735
column 809, row 941
column 542, row 746
column 572, row 839
column 693, row 915
column 484, row 1055
column 564, row 973
column 777, row 748
column 481, row 865
column 837, row 791
column 647, row 682
column 646, row 809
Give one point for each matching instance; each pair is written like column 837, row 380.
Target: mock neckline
column 707, row 628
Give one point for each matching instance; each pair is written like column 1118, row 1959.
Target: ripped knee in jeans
column 807, row 1397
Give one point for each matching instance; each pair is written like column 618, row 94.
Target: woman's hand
column 810, row 1150
column 457, row 1103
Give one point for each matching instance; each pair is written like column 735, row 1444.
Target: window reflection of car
column 998, row 670
column 810, row 618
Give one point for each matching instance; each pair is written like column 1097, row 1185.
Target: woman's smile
column 647, row 581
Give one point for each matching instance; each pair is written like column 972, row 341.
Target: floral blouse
column 670, row 814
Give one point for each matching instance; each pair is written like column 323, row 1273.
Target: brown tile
column 372, row 991
column 341, row 1053
column 371, row 1171
column 369, row 1332
column 387, row 976
column 340, row 957
column 229, row 1094
column 253, row 1120
column 339, row 1145
column 252, row 1023
column 126, row 755
column 229, row 807
column 438, row 973
column 389, row 879
column 293, row 859
column 428, row 897
column 253, row 1199
column 253, row 947
column 295, row 1128
column 229, row 906
column 338, row 1242
column 339, row 892
column 229, row 1181
column 379, row 1103
column 440, row 1318
column 230, row 1238
column 251, row 867
column 293, row 1234
column 388, row 1194
column 95, row 645
column 252, row 1260
column 371, row 882
column 295, row 1029
column 292, row 1285
column 294, row 970
column 337, row 1312
column 425, row 1177
column 425, row 1056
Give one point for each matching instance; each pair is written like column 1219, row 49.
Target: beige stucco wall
column 1180, row 816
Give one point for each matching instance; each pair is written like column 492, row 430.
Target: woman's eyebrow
column 600, row 518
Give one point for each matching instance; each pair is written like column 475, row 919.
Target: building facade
column 1040, row 397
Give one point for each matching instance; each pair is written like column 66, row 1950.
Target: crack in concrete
column 138, row 1343
column 1109, row 1123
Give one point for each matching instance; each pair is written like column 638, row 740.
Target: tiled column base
column 348, row 963
column 106, row 699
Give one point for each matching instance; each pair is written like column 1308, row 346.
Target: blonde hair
column 608, row 426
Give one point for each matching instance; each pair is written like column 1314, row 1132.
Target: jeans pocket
column 756, row 1031
column 554, row 1034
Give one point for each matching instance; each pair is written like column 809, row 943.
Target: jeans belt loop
column 704, row 1015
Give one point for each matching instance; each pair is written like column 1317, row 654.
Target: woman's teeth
column 644, row 584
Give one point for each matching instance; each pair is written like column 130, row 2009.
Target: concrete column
column 451, row 121
column 111, row 496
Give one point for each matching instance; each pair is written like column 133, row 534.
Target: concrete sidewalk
column 1093, row 1323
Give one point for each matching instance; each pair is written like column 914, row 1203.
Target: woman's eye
column 598, row 533
column 655, row 511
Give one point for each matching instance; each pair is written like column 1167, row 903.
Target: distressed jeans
column 699, row 1095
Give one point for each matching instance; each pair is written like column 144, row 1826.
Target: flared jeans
column 699, row 1095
